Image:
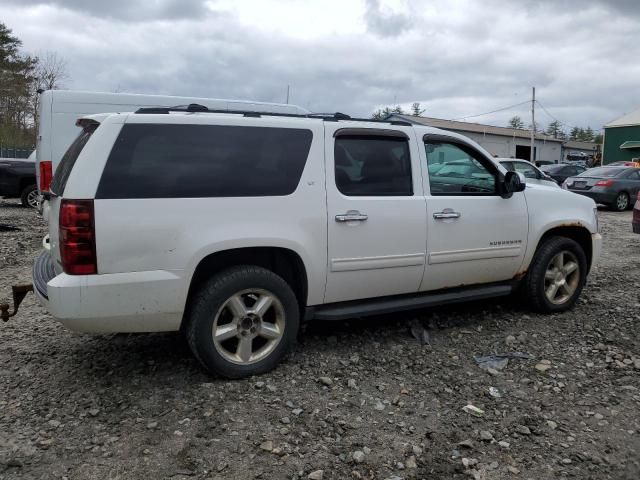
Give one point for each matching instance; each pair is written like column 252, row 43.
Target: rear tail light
column 604, row 183
column 46, row 174
column 78, row 237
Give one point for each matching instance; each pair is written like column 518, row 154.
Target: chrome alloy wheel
column 248, row 326
column 32, row 199
column 561, row 278
column 622, row 202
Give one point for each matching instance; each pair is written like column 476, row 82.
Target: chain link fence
column 15, row 152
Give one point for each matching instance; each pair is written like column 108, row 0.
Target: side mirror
column 513, row 182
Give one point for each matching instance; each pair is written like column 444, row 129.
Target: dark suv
column 18, row 179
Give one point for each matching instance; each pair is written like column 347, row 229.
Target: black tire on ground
column 211, row 299
column 534, row 287
column 26, row 194
column 621, row 203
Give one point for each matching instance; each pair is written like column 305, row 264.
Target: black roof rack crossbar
column 195, row 107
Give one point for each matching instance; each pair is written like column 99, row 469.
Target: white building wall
column 502, row 146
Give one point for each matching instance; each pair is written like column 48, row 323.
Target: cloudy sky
column 458, row 58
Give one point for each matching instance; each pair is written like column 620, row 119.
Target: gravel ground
column 355, row 400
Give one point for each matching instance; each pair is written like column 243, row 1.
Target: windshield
column 603, row 172
column 552, row 168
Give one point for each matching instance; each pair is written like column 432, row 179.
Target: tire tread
column 210, row 290
column 535, row 278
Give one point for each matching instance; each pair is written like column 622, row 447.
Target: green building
column 622, row 139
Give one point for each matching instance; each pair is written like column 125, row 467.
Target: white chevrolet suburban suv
column 235, row 227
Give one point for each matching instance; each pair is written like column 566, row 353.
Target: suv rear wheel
column 242, row 322
column 557, row 275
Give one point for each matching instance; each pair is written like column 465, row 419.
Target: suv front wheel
column 557, row 275
column 242, row 322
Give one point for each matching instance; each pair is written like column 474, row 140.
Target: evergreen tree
column 516, row 122
column 574, row 134
column 588, row 134
column 555, row 129
column 16, row 78
column 383, row 113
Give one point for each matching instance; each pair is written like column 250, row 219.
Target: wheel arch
column 283, row 261
column 578, row 233
column 27, row 182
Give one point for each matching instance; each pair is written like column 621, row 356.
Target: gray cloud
column 456, row 62
column 385, row 22
column 625, row 7
column 129, row 10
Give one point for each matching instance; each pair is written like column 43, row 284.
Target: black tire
column 212, row 299
column 621, row 203
column 534, row 287
column 26, row 196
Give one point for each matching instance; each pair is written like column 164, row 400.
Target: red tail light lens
column 77, row 237
column 46, row 174
column 604, row 183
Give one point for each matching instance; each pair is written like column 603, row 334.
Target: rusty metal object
column 19, row 292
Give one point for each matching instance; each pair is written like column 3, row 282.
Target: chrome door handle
column 446, row 213
column 351, row 216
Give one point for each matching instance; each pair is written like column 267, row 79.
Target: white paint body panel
column 148, row 249
column 383, row 255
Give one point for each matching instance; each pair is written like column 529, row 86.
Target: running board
column 381, row 306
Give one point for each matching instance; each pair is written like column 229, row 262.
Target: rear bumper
column 151, row 301
column 604, row 198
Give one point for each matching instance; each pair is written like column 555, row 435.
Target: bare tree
column 50, row 74
column 51, row 71
column 416, row 111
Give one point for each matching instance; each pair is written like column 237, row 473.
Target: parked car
column 578, row 163
column 611, row 186
column 635, row 222
column 18, row 180
column 59, row 110
column 236, row 228
column 562, row 171
column 540, row 163
column 623, row 164
column 531, row 172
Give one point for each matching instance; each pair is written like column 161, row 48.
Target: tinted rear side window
column 170, row 161
column 68, row 160
column 372, row 166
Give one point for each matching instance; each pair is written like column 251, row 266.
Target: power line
column 559, row 121
column 547, row 112
column 493, row 111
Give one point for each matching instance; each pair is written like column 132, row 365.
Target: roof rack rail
column 197, row 108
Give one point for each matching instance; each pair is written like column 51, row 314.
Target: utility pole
column 287, row 94
column 533, row 127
